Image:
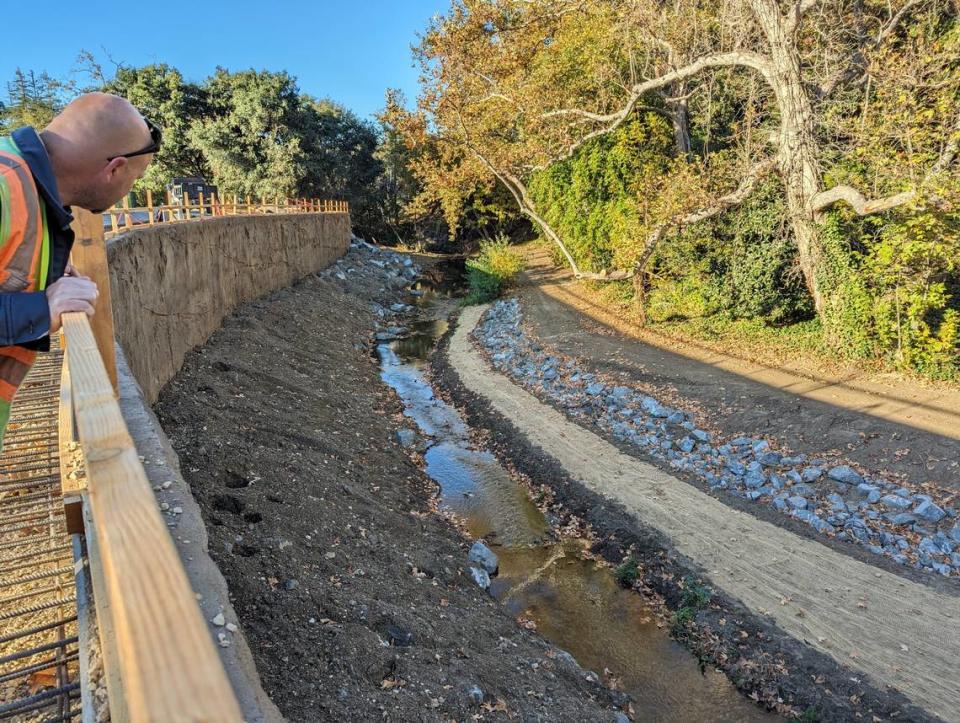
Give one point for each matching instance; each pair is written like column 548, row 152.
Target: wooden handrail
column 121, row 219
column 168, row 665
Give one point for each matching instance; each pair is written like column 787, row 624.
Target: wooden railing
column 159, row 658
column 124, row 217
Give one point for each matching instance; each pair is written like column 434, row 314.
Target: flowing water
column 574, row 602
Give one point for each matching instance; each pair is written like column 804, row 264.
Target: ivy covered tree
column 520, row 85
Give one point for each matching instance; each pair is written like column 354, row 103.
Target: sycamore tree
column 853, row 103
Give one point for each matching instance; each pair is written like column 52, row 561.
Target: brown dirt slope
column 901, row 633
column 352, row 594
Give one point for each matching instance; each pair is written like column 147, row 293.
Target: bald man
column 90, row 156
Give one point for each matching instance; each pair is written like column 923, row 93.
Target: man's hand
column 71, row 293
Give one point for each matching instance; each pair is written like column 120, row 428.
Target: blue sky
column 348, row 51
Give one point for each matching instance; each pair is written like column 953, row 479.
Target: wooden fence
column 124, row 217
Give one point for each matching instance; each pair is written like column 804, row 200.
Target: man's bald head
column 86, row 142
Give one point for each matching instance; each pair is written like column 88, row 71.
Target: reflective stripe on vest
column 24, row 257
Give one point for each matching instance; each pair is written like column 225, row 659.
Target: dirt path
column 900, row 633
column 885, row 423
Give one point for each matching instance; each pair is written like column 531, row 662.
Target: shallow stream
column 574, row 602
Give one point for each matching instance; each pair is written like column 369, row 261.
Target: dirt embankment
column 353, row 596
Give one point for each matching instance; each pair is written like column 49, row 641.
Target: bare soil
column 354, row 596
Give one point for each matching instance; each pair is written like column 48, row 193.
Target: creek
column 574, row 601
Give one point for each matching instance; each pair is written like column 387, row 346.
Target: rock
column 821, row 526
column 291, row 584
column 484, row 557
column 621, row 717
column 741, row 442
column 700, row 435
column 797, row 502
column 929, row 511
column 802, row 490
column 871, row 492
column 406, row 437
column 754, row 479
column 737, row 468
column 769, row 459
column 811, row 474
column 475, row 694
column 219, row 620
column 652, row 407
column 955, row 533
column 895, row 502
column 595, row 389
column 761, row 445
column 845, row 474
column 837, row 501
column 687, row 445
column 481, row 577
column 399, row 637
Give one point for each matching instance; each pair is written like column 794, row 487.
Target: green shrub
column 892, row 289
column 492, row 270
column 627, row 572
column 694, row 594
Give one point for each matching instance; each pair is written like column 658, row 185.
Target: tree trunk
column 680, row 115
column 797, row 145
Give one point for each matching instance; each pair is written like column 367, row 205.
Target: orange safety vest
column 24, row 258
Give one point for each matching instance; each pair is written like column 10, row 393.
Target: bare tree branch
column 856, row 67
column 714, row 208
column 864, row 206
column 719, row 60
column 614, row 120
column 799, row 9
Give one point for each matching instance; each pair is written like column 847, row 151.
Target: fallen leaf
column 46, row 678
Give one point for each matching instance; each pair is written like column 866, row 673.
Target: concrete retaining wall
column 173, row 285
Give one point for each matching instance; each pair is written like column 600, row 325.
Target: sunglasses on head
column 156, row 135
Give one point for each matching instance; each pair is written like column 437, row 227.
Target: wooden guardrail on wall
column 125, row 216
column 159, row 657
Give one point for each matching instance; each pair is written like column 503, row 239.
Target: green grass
column 491, row 271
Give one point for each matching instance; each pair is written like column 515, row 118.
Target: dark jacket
column 25, row 316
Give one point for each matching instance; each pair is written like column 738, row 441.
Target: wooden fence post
column 150, row 206
column 89, row 257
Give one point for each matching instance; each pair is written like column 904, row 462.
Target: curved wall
column 173, row 285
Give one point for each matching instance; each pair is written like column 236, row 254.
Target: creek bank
column 354, row 596
column 763, row 661
column 909, row 525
